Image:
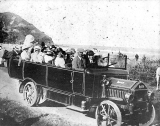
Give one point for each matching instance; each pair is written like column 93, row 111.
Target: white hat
column 104, row 55
column 37, row 47
column 28, row 39
column 25, row 46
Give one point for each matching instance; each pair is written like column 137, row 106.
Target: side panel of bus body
column 63, row 85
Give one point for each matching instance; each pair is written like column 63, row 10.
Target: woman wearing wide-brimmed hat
column 49, row 56
column 37, row 56
column 27, row 48
column 25, row 55
column 29, row 40
column 59, row 61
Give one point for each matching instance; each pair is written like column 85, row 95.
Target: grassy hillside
column 13, row 30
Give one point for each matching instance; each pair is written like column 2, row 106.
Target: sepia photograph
column 79, row 62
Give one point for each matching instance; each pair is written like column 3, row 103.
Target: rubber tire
column 35, row 97
column 153, row 115
column 117, row 111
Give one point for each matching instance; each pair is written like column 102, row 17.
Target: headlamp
column 129, row 97
column 151, row 95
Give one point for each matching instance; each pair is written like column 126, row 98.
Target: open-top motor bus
column 106, row 92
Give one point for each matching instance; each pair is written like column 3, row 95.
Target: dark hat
column 48, row 51
column 90, row 53
column 53, row 46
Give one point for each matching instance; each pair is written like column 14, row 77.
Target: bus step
column 76, row 108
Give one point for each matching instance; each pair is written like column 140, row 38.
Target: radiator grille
column 115, row 93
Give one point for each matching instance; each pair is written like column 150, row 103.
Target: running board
column 77, row 108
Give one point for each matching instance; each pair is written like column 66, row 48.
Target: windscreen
column 117, row 61
column 112, row 61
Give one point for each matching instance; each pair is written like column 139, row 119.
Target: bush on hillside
column 145, row 71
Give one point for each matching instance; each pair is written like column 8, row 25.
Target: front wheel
column 30, row 94
column 108, row 114
column 149, row 116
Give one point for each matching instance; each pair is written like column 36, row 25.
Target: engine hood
column 127, row 84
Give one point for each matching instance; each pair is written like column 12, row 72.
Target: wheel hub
column 30, row 94
column 108, row 113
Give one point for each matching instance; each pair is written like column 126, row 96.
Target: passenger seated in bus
column 90, row 59
column 28, row 45
column 16, row 52
column 58, row 49
column 37, row 56
column 49, row 56
column 43, row 46
column 96, row 59
column 79, row 61
column 103, row 60
column 69, row 57
column 59, row 61
column 26, row 54
column 27, row 48
column 52, row 48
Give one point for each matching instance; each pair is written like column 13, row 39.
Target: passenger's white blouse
column 47, row 58
column 60, row 62
column 37, row 57
column 25, row 55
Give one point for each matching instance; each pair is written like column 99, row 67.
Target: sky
column 115, row 23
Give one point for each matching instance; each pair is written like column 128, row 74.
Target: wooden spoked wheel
column 108, row 114
column 149, row 116
column 30, row 94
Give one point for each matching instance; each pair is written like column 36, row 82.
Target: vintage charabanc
column 106, row 92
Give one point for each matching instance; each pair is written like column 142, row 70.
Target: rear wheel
column 30, row 94
column 108, row 114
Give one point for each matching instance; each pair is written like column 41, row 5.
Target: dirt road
column 47, row 114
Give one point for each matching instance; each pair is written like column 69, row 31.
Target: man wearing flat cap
column 79, row 62
column 90, row 59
